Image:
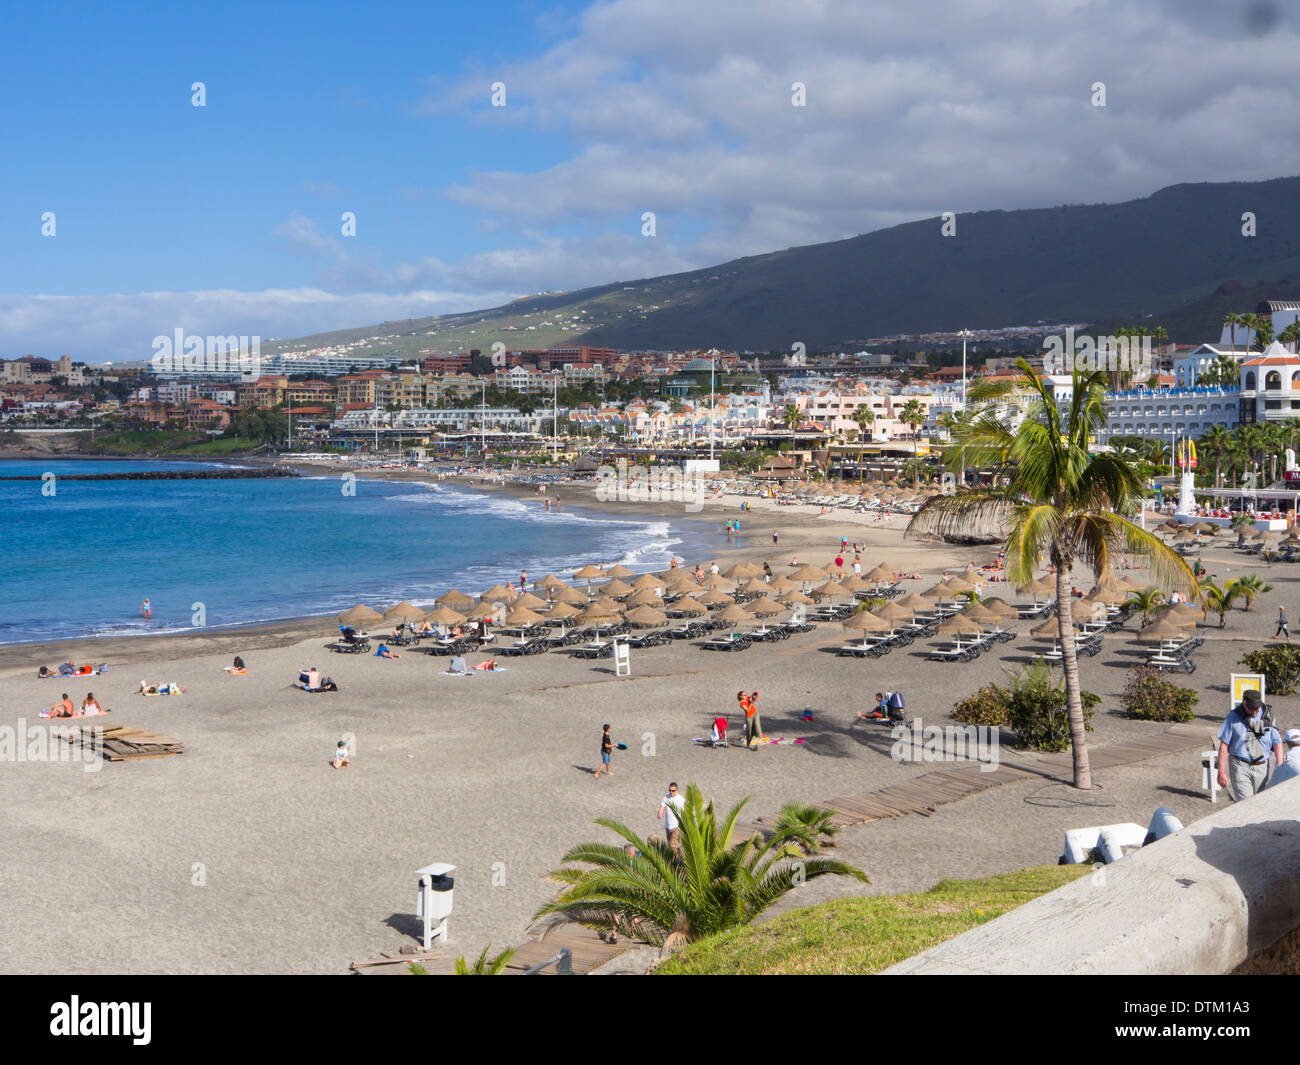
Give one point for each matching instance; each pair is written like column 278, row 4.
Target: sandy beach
column 248, row 853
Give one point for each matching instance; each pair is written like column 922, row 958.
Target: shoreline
column 801, row 530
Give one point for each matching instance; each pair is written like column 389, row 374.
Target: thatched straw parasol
column 482, row 610
column 782, row 584
column 856, row 584
column 648, row 581
column 1001, row 608
column 866, row 621
column 454, row 599
column 360, row 615
column 712, row 599
column 563, row 611
column 960, row 625
column 754, row 586
column 687, row 605
column 620, row 572
column 832, row 590
column 794, row 597
column 403, row 612
column 763, row 608
column 1164, row 629
column 716, row 582
column 497, row 591
column 616, row 589
column 444, row 615
column 915, row 602
column 521, row 615
column 735, row 615
column 645, row 597
column 893, row 612
column 645, row 617
column 809, row 573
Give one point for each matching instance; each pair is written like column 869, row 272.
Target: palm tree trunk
column 1070, row 667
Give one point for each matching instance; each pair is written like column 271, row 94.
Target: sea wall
column 1208, row 899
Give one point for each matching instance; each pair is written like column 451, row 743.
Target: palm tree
column 712, row 885
column 791, row 416
column 1060, row 499
column 1217, row 599
column 913, row 415
column 1145, row 600
column 1248, row 588
column 1264, row 330
column 865, row 417
column 1291, row 335
column 1216, row 440
column 484, row 967
column 1232, row 320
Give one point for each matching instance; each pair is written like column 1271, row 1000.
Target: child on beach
column 341, row 759
column 606, row 753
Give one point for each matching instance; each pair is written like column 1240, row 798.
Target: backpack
column 897, row 712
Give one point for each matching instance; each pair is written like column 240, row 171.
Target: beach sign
column 1240, row 683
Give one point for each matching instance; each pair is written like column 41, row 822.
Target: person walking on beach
column 1282, row 629
column 146, row 611
column 1247, row 741
column 523, row 580
column 670, row 810
column 776, row 538
column 753, row 723
column 606, row 753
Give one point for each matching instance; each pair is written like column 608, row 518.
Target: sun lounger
column 735, row 641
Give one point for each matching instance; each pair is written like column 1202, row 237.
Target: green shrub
column 988, row 706
column 1280, row 664
column 1038, row 711
column 1151, row 697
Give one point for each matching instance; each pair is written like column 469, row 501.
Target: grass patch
column 866, row 934
column 219, row 445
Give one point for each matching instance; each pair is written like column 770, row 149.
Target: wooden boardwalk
column 588, row 951
column 957, row 780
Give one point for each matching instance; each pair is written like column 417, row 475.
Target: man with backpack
column 889, row 707
column 1247, row 740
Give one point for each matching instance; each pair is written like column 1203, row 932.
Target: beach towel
column 234, row 672
column 475, row 672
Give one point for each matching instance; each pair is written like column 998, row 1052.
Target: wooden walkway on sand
column 957, row 780
column 587, row 950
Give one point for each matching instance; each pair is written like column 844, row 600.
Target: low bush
column 1280, row 664
column 1038, row 711
column 988, row 706
column 1151, row 697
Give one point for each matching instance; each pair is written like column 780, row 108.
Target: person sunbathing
column 90, row 707
column 310, row 679
column 238, row 666
column 63, row 708
column 384, row 652
column 426, row 629
column 488, row 665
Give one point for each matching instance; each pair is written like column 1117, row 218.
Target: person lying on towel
column 384, row 652
column 488, row 665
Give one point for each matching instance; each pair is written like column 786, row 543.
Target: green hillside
column 1127, row 261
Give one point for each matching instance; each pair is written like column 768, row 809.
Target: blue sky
column 226, row 219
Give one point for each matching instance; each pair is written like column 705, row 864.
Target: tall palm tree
column 1060, row 499
column 913, row 415
column 1217, row 599
column 1216, row 440
column 791, row 416
column 712, row 885
column 1291, row 335
column 1232, row 320
column 1264, row 330
column 865, row 418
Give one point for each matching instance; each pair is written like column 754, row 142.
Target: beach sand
column 248, row 853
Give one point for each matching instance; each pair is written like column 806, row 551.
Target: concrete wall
column 1205, row 900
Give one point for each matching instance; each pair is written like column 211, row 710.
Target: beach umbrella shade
column 482, row 610
column 1109, row 596
column 1207, row 527
column 645, row 617
column 531, row 602
column 763, row 608
column 866, row 621
column 1046, row 630
column 359, row 616
column 893, row 612
column 782, row 584
column 576, row 596
column 738, row 572
column 402, row 613
column 682, row 582
column 645, row 597
column 595, row 615
column 563, row 611
column 1000, row 607
column 1186, row 612
column 552, row 581
column 916, row 603
column 1163, row 629
column 882, row 572
column 939, row 591
column 497, row 591
column 687, row 605
column 982, row 614
column 959, row 584
column 856, row 584
column 718, row 583
column 604, row 602
column 456, row 600
column 960, row 625
column 588, row 573
column 1043, row 587
column 618, row 572
column 521, row 615
column 735, row 615
column 712, row 599
column 1185, row 535
column 832, row 590
column 444, row 615
column 809, row 573
column 754, row 586
column 648, row 581
column 794, row 597
column 616, row 589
